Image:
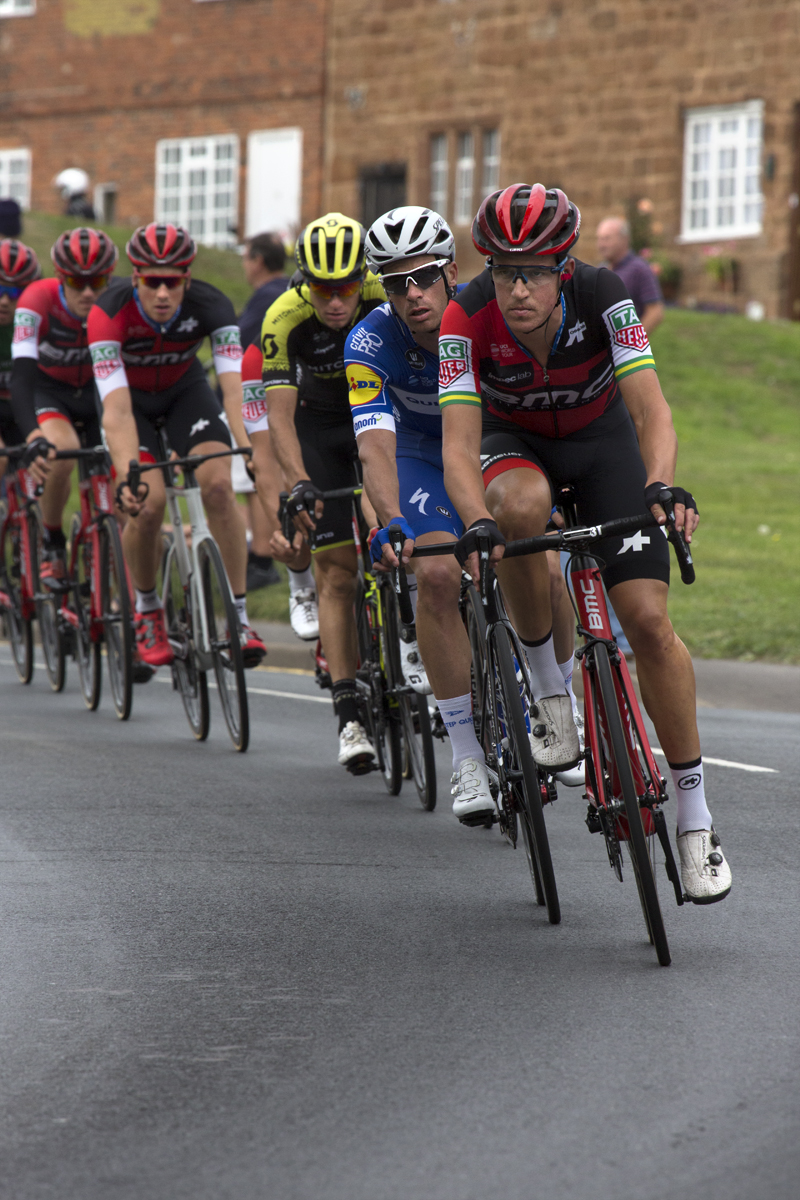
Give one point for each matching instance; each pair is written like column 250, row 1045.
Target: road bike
column 396, row 718
column 202, row 625
column 95, row 609
column 23, row 598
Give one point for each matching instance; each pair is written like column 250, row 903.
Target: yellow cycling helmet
column 331, row 248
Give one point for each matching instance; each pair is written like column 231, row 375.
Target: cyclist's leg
column 336, row 569
column 141, row 537
column 225, row 517
column 56, row 425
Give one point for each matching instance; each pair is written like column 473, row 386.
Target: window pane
column 722, row 158
column 490, row 175
column 210, row 185
column 465, row 179
column 172, row 154
column 439, row 167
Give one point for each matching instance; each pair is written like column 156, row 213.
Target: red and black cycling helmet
column 84, row 252
column 161, row 245
column 525, row 218
column 19, row 265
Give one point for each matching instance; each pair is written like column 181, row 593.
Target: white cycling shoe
column 355, row 749
column 472, row 799
column 304, row 614
column 414, row 671
column 554, row 738
column 705, row 874
column 575, row 776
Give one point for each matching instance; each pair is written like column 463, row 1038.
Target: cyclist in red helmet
column 18, row 267
column 144, row 339
column 52, row 388
column 547, row 379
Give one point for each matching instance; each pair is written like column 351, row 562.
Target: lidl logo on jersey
column 24, row 326
column 105, row 359
column 365, row 385
column 454, row 360
column 625, row 327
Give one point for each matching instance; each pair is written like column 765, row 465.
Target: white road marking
column 254, row 691
column 723, row 762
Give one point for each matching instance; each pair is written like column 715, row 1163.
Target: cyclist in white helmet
column 392, row 364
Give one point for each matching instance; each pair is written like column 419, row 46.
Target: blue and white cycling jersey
column 394, row 385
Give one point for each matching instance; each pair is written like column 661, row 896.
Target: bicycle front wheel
column 409, row 709
column 621, row 771
column 18, row 627
column 117, row 618
column 87, row 646
column 187, row 678
column 518, row 765
column 225, row 643
column 47, row 605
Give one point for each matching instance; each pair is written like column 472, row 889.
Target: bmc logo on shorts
column 363, row 383
column 105, row 359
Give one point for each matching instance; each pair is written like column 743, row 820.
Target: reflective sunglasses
column 396, row 283
column 326, row 291
column 13, row 293
column 79, row 282
column 531, row 274
column 170, row 282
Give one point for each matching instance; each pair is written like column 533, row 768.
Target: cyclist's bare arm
column 123, row 440
column 267, row 476
column 281, row 406
column 462, row 426
column 658, row 442
column 230, row 383
column 377, row 449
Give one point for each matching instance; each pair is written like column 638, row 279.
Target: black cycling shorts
column 53, row 400
column 331, row 458
column 9, row 430
column 608, row 476
column 188, row 411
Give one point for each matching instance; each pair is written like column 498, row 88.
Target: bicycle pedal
column 142, row 672
column 362, row 766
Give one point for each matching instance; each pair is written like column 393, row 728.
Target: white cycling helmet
column 405, row 233
column 72, row 182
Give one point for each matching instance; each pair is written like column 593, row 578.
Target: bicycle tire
column 368, row 693
column 637, row 844
column 390, row 675
column 474, row 619
column 87, row 647
column 528, row 785
column 187, row 678
column 18, row 628
column 419, row 760
column 55, row 660
column 117, row 618
column 226, row 644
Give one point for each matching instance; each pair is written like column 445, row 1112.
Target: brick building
column 685, row 110
column 206, row 111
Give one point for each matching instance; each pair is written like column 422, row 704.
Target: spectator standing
column 73, row 183
column 264, row 263
column 614, row 248
column 10, row 219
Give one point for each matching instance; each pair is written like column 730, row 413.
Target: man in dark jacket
column 264, row 262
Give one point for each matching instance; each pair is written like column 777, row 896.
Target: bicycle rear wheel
column 415, row 722
column 621, row 771
column 117, row 618
column 187, row 678
column 18, row 627
column 518, row 765
column 87, row 647
column 47, row 605
column 225, row 643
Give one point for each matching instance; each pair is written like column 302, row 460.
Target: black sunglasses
column 527, row 272
column 396, row 283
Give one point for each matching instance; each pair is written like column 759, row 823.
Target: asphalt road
column 258, row 978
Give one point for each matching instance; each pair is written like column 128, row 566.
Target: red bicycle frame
column 95, row 496
column 20, row 493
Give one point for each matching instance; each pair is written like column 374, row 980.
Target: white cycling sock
column 690, row 795
column 298, row 580
column 567, row 669
column 241, row 610
column 147, row 601
column 457, row 717
column 546, row 678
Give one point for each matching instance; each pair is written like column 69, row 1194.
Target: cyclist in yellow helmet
column 311, row 429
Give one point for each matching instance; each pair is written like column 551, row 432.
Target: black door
column 382, row 187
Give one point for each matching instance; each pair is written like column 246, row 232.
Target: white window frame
column 184, row 201
column 440, row 172
column 464, row 200
column 490, row 162
column 722, row 151
column 22, row 182
column 17, row 8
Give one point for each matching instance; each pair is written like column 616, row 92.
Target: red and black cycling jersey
column 46, row 331
column 600, row 341
column 130, row 350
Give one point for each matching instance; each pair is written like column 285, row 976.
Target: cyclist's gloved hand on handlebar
column 661, row 495
column 467, row 545
column 38, row 448
column 381, row 542
column 305, row 498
